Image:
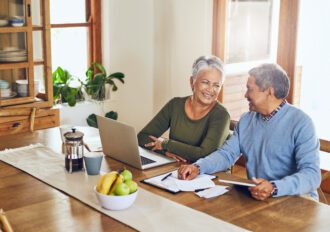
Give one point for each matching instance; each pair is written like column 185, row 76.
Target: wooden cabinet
column 25, row 62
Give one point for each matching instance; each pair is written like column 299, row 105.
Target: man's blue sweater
column 283, row 150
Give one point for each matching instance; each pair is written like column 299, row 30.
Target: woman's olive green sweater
column 190, row 139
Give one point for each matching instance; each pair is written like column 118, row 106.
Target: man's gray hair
column 205, row 62
column 272, row 75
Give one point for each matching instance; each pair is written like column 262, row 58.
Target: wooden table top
column 32, row 205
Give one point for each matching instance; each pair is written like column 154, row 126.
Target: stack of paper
column 213, row 192
column 173, row 184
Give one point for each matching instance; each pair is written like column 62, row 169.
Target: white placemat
column 149, row 212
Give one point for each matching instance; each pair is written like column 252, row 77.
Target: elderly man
column 277, row 140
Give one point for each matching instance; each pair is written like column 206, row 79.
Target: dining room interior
column 147, row 47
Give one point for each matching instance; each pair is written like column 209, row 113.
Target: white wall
column 154, row 42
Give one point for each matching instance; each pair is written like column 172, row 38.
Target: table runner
column 149, row 212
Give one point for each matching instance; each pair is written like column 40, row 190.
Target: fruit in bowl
column 116, row 191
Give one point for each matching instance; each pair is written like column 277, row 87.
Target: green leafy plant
column 97, row 78
column 62, row 90
column 91, row 120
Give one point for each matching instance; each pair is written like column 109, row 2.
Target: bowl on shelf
column 4, row 84
column 115, row 202
column 17, row 21
column 3, row 22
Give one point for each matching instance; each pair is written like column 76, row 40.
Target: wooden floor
column 241, row 172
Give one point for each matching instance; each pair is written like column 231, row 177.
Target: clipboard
column 156, row 181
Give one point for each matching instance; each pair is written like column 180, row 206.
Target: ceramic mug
column 93, row 162
column 22, row 88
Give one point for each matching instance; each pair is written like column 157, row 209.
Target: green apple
column 122, row 189
column 127, row 175
column 132, row 185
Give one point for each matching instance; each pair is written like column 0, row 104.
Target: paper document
column 237, row 183
column 213, row 192
column 173, row 184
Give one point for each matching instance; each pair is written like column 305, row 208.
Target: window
column 250, row 34
column 71, row 20
column 313, row 60
column 247, row 33
column 251, row 31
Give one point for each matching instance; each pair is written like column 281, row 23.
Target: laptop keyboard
column 145, row 160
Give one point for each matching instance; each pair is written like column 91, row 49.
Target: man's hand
column 176, row 157
column 187, row 172
column 263, row 190
column 156, row 144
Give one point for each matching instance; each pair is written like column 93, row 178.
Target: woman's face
column 206, row 86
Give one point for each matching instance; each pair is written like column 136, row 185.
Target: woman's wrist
column 164, row 144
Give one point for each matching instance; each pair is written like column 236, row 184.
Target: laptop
column 119, row 141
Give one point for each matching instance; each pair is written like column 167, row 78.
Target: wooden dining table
column 32, row 205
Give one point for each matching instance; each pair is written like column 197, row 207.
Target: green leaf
column 117, row 75
column 114, row 87
column 89, row 73
column 111, row 82
column 71, row 100
column 91, row 120
column 56, row 91
column 101, row 68
column 98, row 79
column 112, row 114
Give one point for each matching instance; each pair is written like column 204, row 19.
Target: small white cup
column 22, row 88
column 5, row 92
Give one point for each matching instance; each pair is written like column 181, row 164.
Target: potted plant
column 91, row 120
column 66, row 88
column 97, row 79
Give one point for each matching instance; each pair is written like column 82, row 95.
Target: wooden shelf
column 14, row 65
column 11, row 72
column 13, row 29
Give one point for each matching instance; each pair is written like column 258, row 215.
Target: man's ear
column 271, row 91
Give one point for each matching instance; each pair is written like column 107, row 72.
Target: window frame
column 93, row 23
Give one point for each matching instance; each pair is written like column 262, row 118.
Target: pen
column 198, row 190
column 165, row 177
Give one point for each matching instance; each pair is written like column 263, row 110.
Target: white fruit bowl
column 115, row 202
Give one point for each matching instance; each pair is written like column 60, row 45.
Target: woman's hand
column 156, row 143
column 176, row 157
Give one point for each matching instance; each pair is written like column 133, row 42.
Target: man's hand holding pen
column 188, row 172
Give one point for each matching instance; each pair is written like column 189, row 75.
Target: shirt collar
column 269, row 116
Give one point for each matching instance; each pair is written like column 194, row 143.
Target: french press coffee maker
column 73, row 148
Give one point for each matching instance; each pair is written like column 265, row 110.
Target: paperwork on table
column 173, row 184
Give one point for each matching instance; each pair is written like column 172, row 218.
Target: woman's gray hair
column 205, row 62
column 272, row 75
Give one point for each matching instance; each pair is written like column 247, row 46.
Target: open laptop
column 119, row 141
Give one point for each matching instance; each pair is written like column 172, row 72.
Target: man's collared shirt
column 269, row 116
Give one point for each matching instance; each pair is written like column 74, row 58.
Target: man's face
column 258, row 99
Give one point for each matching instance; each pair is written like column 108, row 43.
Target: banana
column 119, row 180
column 106, row 181
column 99, row 183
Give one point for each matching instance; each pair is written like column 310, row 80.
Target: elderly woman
column 198, row 124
